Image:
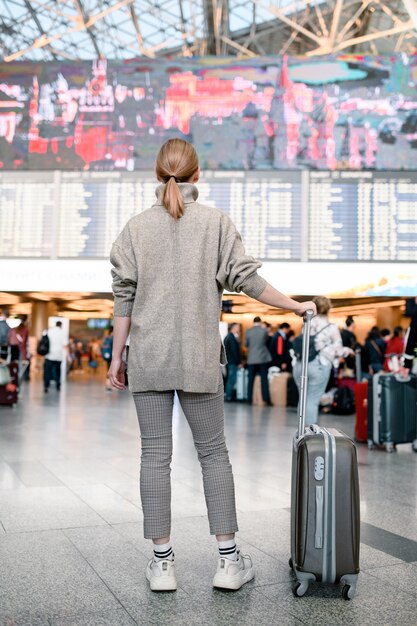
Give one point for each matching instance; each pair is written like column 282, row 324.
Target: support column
column 41, row 311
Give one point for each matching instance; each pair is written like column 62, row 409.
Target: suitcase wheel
column 390, row 447
column 348, row 592
column 414, row 445
column 291, row 564
column 371, row 445
column 300, row 588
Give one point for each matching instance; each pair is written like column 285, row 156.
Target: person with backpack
column 375, row 347
column 326, row 348
column 106, row 353
column 169, row 298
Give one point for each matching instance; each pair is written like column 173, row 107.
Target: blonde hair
column 176, row 162
column 323, row 304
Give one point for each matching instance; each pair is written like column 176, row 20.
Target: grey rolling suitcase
column 392, row 408
column 325, row 522
column 242, row 384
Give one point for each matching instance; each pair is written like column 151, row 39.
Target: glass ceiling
column 128, row 28
column 119, row 29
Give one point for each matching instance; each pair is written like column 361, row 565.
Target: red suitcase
column 361, row 404
column 8, row 393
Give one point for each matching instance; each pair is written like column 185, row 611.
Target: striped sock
column 227, row 549
column 162, row 552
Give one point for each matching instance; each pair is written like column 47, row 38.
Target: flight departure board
column 79, row 215
column 282, row 216
column 363, row 216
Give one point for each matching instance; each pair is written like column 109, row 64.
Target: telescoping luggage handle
column 302, row 405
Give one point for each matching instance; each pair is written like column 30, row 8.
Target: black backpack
column 43, row 345
column 343, row 401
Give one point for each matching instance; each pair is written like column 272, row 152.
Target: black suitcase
column 325, row 522
column 392, row 410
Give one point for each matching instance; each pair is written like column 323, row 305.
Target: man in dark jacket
column 234, row 358
column 280, row 348
column 259, row 358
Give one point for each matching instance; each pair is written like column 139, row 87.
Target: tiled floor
column 71, row 545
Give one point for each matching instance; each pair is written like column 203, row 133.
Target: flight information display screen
column 363, row 216
column 79, row 215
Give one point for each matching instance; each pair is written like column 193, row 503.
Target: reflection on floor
column 71, row 546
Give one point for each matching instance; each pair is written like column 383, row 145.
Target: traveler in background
column 71, row 353
column 107, row 348
column 375, row 348
column 395, row 347
column 4, row 335
column 94, row 352
column 348, row 334
column 57, row 353
column 385, row 334
column 259, row 359
column 234, row 359
column 410, row 344
column 106, row 352
column 280, row 348
column 79, row 349
column 18, row 340
column 180, row 284
column 270, row 332
column 328, row 344
column 349, row 341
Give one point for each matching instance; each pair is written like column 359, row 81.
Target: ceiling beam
column 290, row 22
column 335, row 23
column 45, row 41
column 38, row 24
column 139, row 37
column 355, row 41
column 83, row 16
column 238, row 46
column 411, row 6
column 352, row 20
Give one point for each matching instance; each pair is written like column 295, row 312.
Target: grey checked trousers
column 205, row 416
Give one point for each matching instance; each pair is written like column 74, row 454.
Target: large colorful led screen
column 266, row 113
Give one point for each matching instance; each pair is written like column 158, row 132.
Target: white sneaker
column 161, row 575
column 233, row 574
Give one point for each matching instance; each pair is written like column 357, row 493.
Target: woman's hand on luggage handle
column 305, row 306
column 116, row 374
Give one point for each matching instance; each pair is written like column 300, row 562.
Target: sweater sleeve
column 236, row 270
column 124, row 274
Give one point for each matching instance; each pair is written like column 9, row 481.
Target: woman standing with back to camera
column 170, row 266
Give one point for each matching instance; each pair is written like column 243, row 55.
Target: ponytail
column 172, row 199
column 176, row 162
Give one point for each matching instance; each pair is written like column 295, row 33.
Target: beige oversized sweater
column 169, row 276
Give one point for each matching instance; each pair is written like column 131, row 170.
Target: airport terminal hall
column 208, row 312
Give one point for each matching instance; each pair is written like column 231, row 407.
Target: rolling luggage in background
column 392, row 410
column 8, row 392
column 361, row 401
column 242, row 384
column 325, row 521
column 278, row 385
column 361, row 405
